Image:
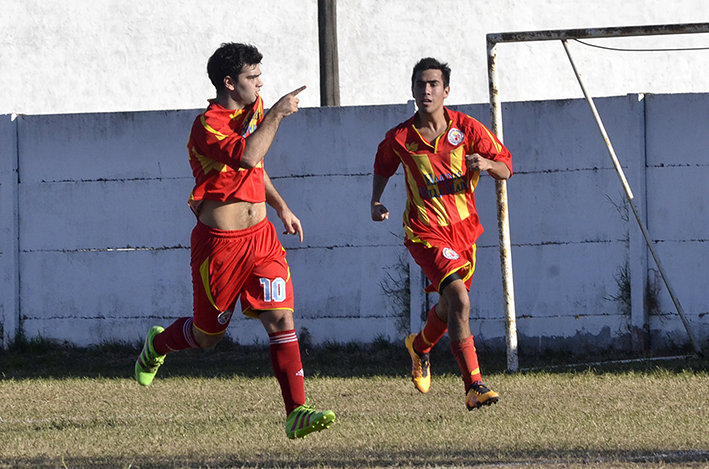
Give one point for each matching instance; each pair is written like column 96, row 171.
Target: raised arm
column 258, row 143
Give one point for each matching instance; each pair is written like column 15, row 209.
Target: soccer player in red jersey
column 442, row 152
column 235, row 252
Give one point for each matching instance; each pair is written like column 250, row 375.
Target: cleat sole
column 488, row 403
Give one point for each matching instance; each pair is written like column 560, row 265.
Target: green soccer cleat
column 479, row 395
column 149, row 361
column 304, row 420
column 420, row 366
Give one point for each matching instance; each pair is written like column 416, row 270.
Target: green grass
column 64, row 407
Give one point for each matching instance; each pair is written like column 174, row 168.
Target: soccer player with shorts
column 235, row 252
column 442, row 152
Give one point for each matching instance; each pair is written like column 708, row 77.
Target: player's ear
column 446, row 91
column 229, row 83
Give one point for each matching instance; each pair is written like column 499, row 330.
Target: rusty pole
column 503, row 220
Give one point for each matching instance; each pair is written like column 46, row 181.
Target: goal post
column 496, row 120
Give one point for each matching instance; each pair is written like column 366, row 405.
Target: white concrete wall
column 101, row 248
column 104, row 55
column 678, row 203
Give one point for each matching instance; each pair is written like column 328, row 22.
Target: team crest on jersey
column 225, row 316
column 455, row 136
column 448, row 253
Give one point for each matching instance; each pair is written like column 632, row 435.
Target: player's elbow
column 248, row 163
column 501, row 172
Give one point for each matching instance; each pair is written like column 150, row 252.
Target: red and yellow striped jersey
column 215, row 147
column 440, row 190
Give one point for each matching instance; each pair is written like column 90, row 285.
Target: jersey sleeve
column 387, row 161
column 225, row 146
column 486, row 144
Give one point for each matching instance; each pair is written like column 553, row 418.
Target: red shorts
column 227, row 265
column 439, row 262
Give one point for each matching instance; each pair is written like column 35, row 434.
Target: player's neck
column 227, row 102
column 435, row 122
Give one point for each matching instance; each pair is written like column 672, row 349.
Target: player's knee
column 464, row 302
column 207, row 341
column 456, row 298
column 277, row 320
column 210, row 343
column 459, row 308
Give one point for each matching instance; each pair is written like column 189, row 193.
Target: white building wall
column 99, row 249
column 106, row 55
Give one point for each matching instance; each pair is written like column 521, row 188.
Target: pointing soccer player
column 235, row 249
column 442, row 152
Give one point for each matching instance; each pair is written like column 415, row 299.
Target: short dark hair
column 229, row 60
column 429, row 63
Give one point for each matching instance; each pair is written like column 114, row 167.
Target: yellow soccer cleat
column 479, row 395
column 420, row 366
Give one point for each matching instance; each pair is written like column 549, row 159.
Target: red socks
column 178, row 336
column 431, row 333
column 464, row 350
column 284, row 349
column 285, row 359
column 467, row 358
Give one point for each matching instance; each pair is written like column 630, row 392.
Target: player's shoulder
column 216, row 118
column 462, row 118
column 465, row 122
column 400, row 129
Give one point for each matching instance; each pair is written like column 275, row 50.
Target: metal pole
column 630, row 197
column 10, row 311
column 329, row 66
column 503, row 221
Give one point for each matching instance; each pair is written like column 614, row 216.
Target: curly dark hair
column 429, row 63
column 229, row 60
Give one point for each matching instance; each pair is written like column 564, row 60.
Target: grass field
column 62, row 407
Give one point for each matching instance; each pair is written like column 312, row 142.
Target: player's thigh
column 455, row 297
column 269, row 287
column 440, row 262
column 220, row 266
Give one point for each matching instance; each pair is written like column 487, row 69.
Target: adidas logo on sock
column 300, row 373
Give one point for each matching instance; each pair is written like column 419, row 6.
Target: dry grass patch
column 567, row 420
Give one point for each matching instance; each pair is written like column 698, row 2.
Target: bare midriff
column 232, row 214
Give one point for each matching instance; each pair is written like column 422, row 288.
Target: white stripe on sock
column 283, row 339
column 187, row 332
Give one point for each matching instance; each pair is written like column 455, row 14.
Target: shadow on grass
column 42, row 359
column 394, row 458
column 37, row 358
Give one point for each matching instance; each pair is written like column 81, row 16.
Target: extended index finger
column 295, row 92
column 298, row 228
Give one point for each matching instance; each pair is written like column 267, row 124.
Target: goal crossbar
column 589, row 33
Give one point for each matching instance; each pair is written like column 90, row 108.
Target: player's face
column 248, row 85
column 428, row 90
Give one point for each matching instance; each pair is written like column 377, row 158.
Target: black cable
column 617, row 49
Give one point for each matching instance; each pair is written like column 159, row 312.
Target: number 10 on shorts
column 273, row 290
